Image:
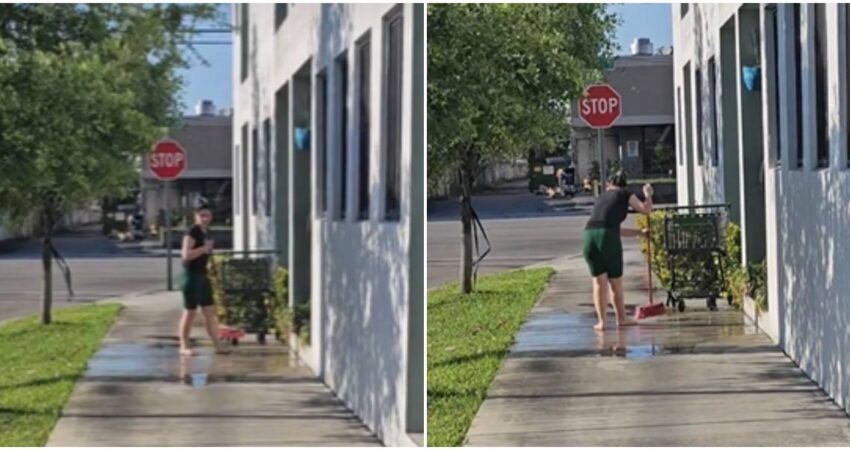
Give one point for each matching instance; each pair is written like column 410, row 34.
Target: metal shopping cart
column 694, row 237
column 248, row 287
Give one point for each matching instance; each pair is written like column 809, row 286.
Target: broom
column 650, row 309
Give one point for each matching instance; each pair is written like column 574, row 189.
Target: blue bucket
column 302, row 139
column 751, row 77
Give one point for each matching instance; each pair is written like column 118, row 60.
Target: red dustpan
column 650, row 309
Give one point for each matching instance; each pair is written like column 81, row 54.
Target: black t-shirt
column 198, row 264
column 610, row 210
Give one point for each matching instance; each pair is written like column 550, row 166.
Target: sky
column 212, row 82
column 650, row 20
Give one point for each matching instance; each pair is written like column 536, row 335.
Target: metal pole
column 603, row 177
column 168, row 235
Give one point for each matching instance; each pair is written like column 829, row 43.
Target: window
column 243, row 41
column 393, row 36
column 236, row 192
column 773, row 21
column 798, row 85
column 255, row 151
column 821, row 87
column 688, row 114
column 321, row 141
column 363, row 62
column 698, row 100
column 280, row 11
column 659, row 156
column 267, row 153
column 342, row 79
column 682, row 125
column 243, row 170
column 712, row 98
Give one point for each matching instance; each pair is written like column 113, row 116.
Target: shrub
column 214, row 274
column 756, row 284
column 238, row 309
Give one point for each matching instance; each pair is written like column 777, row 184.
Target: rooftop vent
column 641, row 46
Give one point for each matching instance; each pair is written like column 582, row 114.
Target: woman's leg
column 184, row 330
column 600, row 289
column 211, row 323
column 619, row 303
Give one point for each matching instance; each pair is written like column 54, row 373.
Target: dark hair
column 619, row 178
column 202, row 207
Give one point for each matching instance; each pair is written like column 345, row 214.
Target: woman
column 197, row 291
column 602, row 248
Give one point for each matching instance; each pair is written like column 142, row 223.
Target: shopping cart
column 247, row 283
column 694, row 237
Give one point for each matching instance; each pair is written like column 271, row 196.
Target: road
column 100, row 269
column 523, row 229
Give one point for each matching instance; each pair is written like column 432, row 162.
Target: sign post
column 167, row 161
column 600, row 106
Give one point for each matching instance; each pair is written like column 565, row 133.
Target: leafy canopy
column 84, row 91
column 501, row 77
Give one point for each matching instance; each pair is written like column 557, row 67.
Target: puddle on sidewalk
column 572, row 335
column 158, row 361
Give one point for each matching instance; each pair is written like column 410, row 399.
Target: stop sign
column 167, row 160
column 600, row 106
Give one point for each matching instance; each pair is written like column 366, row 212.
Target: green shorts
column 603, row 252
column 197, row 290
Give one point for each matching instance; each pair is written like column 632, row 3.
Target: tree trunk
column 466, row 221
column 47, row 273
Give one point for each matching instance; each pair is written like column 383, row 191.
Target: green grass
column 467, row 338
column 39, row 365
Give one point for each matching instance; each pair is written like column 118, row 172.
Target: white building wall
column 807, row 212
column 360, row 278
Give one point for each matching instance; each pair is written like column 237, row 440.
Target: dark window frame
column 236, row 191
column 700, row 132
column 255, row 163
column 363, row 62
column 712, row 87
column 798, row 82
column 393, row 87
column 773, row 16
column 322, row 141
column 281, row 11
column 341, row 68
column 821, row 86
column 267, row 154
column 682, row 138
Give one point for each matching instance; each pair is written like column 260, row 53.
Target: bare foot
column 185, row 351
column 626, row 323
column 600, row 326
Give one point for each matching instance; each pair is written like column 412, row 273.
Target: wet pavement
column 137, row 391
column 697, row 378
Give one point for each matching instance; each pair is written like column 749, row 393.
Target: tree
column 500, row 81
column 84, row 91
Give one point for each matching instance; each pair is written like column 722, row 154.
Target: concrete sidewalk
column 698, row 378
column 137, row 391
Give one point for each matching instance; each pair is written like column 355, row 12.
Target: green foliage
column 84, row 91
column 501, row 78
column 246, row 305
column 40, row 366
column 757, row 284
column 214, row 274
column 468, row 336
